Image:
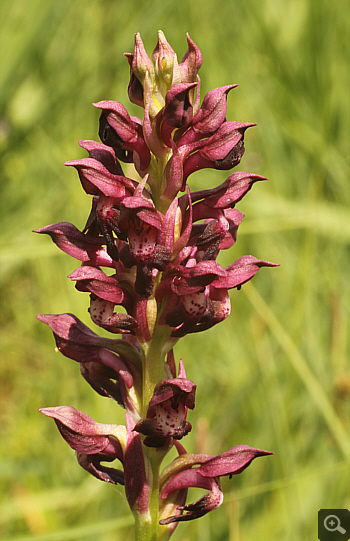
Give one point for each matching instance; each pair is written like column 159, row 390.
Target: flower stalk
column 153, row 364
column 158, row 242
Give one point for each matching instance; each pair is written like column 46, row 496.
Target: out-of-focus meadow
column 274, row 375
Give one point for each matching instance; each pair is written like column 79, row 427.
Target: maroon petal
column 217, row 147
column 191, row 280
column 135, row 88
column 108, row 374
column 96, row 178
column 143, row 208
column 75, row 340
column 108, row 382
column 213, row 111
column 242, row 270
column 209, row 117
column 141, row 316
column 76, row 244
column 231, row 462
column 104, row 154
column 178, row 108
column 213, row 233
column 110, row 138
column 233, row 189
column 97, row 282
column 180, row 474
column 120, row 120
column 228, row 193
column 187, row 224
column 176, row 390
column 84, row 434
column 170, row 362
column 222, row 151
column 92, row 441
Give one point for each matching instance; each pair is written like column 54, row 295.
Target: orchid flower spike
column 148, row 258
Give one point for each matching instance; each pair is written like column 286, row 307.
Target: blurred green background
column 274, row 375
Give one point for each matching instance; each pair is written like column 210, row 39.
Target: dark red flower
column 93, row 442
column 166, row 415
column 111, row 367
column 203, row 471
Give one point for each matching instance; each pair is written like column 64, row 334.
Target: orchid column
column 159, row 243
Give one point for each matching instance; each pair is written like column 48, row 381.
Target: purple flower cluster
column 159, row 243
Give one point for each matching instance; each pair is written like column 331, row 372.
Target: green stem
column 153, row 364
column 147, row 526
column 154, row 352
column 144, row 529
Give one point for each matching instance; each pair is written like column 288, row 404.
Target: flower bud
column 191, row 63
column 141, row 63
column 164, row 59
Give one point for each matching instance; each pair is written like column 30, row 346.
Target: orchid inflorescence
column 160, row 242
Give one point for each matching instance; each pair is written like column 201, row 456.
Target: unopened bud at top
column 164, row 60
column 191, row 63
column 141, row 63
column 150, row 84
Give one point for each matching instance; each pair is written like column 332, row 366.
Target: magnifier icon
column 332, row 524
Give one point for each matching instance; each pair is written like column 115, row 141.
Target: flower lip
column 210, row 501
